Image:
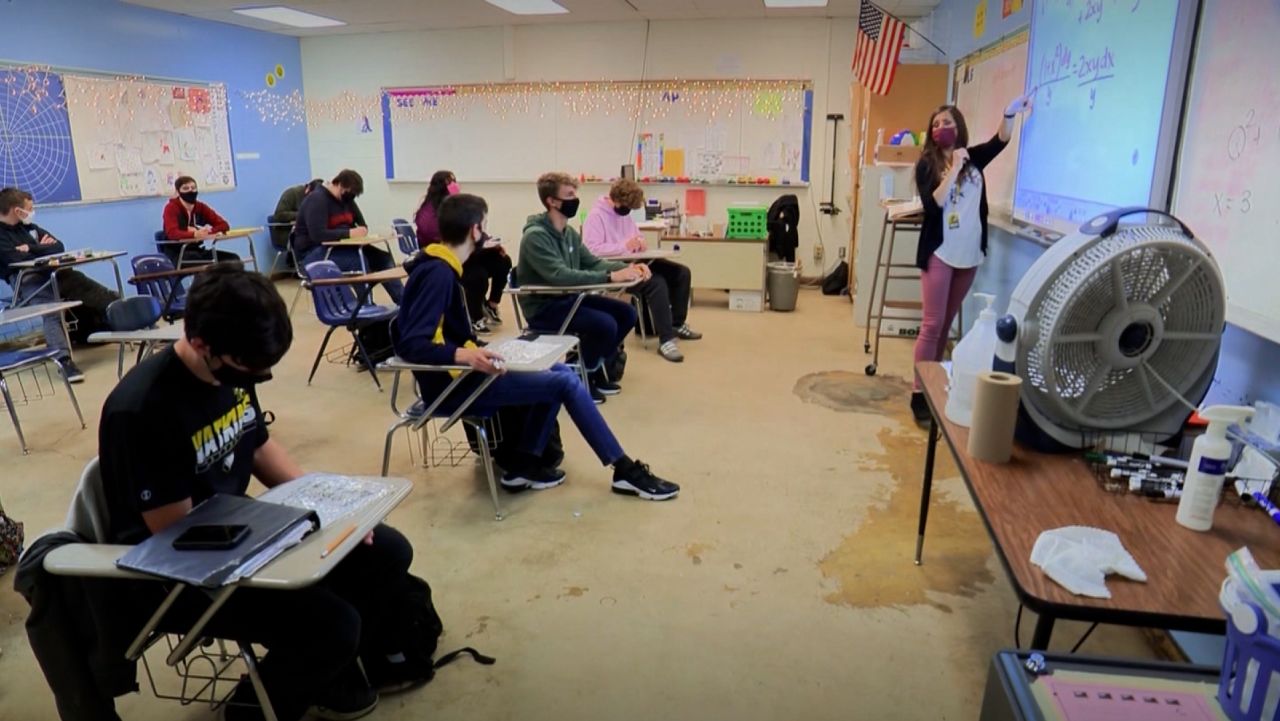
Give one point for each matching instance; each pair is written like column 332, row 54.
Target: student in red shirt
column 186, row 218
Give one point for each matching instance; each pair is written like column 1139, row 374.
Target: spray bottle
column 1208, row 468
column 973, row 355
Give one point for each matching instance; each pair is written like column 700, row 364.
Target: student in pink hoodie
column 610, row 231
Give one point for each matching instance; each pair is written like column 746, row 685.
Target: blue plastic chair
column 129, row 314
column 169, row 291
column 406, row 234
column 337, row 307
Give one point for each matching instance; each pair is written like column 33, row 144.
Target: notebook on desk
column 272, row 529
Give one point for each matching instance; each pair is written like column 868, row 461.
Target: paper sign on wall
column 102, row 156
column 707, row 163
column 673, row 161
column 980, row 19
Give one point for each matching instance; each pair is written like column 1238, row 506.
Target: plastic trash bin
column 783, row 285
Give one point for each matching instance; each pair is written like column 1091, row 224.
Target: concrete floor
column 779, row 585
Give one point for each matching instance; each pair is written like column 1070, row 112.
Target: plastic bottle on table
column 973, row 355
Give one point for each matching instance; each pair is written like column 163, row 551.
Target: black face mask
column 569, row 208
column 622, row 211
column 189, row 196
column 226, row 375
column 348, row 196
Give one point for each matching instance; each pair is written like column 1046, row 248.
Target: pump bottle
column 1208, row 468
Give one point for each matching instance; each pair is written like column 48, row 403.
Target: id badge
column 953, row 221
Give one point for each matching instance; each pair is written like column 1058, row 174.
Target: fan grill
column 1144, row 302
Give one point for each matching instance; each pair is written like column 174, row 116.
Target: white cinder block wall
column 815, row 49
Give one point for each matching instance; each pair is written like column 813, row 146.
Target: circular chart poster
column 36, row 153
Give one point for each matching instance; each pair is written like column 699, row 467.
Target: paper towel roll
column 995, row 413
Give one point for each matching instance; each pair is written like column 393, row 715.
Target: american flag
column 875, row 57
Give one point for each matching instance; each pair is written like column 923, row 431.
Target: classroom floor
column 779, row 584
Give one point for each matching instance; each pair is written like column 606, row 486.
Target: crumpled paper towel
column 1079, row 559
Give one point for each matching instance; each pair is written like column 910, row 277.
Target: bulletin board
column 72, row 137
column 715, row 131
column 983, row 85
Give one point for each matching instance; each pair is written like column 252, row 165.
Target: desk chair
column 420, row 412
column 132, row 313
column 200, row 666
column 14, row 362
column 337, row 307
column 407, row 236
column 164, row 290
column 642, row 311
column 281, row 234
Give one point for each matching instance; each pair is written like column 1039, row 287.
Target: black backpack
column 423, row 627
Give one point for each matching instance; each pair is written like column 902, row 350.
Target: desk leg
column 1044, row 629
column 253, row 255
column 928, row 485
column 119, row 283
column 190, row 638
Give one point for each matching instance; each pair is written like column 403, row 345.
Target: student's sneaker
column 684, row 332
column 596, row 396
column 348, row 697
column 491, row 314
column 606, row 387
column 396, row 677
column 536, row 479
column 480, row 327
column 71, row 371
column 920, row 408
column 671, row 352
column 635, row 479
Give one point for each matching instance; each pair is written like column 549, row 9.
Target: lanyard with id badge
column 953, row 215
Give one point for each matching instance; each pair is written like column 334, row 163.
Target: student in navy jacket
column 433, row 328
column 330, row 213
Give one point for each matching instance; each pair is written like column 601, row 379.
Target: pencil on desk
column 338, row 541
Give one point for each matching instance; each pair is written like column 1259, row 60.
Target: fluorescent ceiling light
column 795, row 3
column 530, row 7
column 288, row 16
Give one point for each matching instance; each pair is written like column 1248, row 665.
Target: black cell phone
column 530, row 335
column 211, row 538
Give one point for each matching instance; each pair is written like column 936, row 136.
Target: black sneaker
column 537, row 479
column 491, row 314
column 392, row 678
column 71, row 371
column 637, row 480
column 596, row 396
column 606, row 387
column 684, row 332
column 347, row 697
column 480, row 327
column 920, row 408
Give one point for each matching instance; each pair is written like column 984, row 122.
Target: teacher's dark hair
column 932, row 163
column 239, row 314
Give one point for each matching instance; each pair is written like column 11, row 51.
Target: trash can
column 783, row 285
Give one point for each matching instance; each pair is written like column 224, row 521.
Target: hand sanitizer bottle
column 1208, row 467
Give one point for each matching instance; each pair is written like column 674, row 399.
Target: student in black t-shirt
column 186, row 424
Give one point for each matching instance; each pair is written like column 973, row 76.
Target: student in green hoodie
column 552, row 253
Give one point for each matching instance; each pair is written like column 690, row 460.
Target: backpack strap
column 452, row 656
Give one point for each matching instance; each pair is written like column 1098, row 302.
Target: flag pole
column 907, row 25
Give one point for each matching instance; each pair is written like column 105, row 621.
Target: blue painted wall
column 110, row 36
column 1249, row 368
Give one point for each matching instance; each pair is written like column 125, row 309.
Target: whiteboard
column 985, row 83
column 1229, row 161
column 517, row 131
column 135, row 137
column 1102, row 131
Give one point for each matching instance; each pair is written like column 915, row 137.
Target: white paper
column 332, row 497
column 128, row 160
column 708, row 163
column 151, row 182
column 186, row 138
column 204, row 145
column 102, row 156
column 736, row 164
column 772, row 156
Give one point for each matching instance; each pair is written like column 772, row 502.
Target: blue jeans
column 55, row 333
column 600, row 324
column 348, row 260
column 545, row 392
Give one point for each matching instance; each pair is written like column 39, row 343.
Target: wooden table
column 53, row 263
column 1037, row 492
column 231, row 234
column 360, row 243
column 733, row 264
column 642, row 255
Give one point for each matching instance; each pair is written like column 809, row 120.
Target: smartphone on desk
column 211, row 538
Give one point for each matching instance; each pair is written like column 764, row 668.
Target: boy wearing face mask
column 187, row 218
column 552, row 253
column 330, row 213
column 609, row 230
column 186, row 424
column 433, row 328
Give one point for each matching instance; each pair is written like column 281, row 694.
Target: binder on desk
column 273, row 529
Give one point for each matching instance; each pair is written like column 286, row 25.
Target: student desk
column 146, row 338
column 59, row 262
column 232, row 234
column 733, row 264
column 640, row 256
column 20, row 360
column 579, row 291
column 360, row 243
column 296, row 568
column 1036, row 492
column 177, row 274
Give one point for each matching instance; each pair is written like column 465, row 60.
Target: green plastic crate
column 748, row 222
